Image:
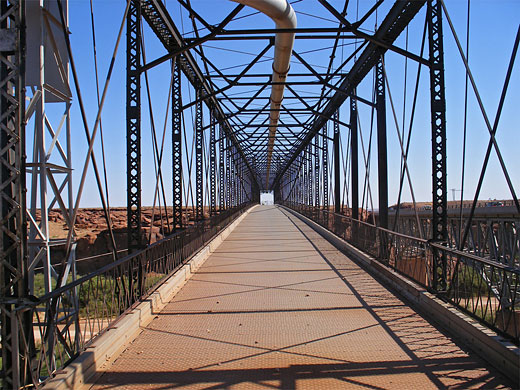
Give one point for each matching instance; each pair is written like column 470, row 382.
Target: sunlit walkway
column 277, row 306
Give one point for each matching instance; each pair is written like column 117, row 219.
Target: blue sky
column 492, row 32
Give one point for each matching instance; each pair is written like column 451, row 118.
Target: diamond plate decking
column 277, row 306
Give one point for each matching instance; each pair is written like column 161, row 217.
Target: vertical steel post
column 239, row 182
column 212, row 165
column 382, row 169
column 296, row 178
column 242, row 181
column 305, row 178
column 39, row 183
column 243, row 186
column 254, row 186
column 325, row 162
column 354, row 157
column 13, row 224
column 239, row 179
column 302, row 178
column 199, row 142
column 238, row 176
column 133, row 124
column 308, row 188
column 233, row 176
column 228, row 174
column 290, row 186
column 231, row 173
column 221, row 165
column 317, row 172
column 336, row 157
column 177, row 145
column 438, row 118
column 293, row 186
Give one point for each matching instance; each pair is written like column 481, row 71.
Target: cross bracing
column 360, row 140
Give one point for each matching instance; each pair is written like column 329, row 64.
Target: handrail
column 68, row 319
column 434, row 244
column 58, row 291
column 487, row 290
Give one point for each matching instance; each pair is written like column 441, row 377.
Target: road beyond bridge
column 277, row 306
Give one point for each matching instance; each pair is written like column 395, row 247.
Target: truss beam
column 14, row 288
column 399, row 16
column 199, row 163
column 158, row 18
column 438, row 118
column 382, row 164
column 133, row 125
column 177, row 146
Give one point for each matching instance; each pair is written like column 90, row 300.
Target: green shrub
column 101, row 296
column 469, row 282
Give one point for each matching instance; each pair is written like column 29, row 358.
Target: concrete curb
column 497, row 351
column 89, row 365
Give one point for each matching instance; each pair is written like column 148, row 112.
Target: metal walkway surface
column 277, row 306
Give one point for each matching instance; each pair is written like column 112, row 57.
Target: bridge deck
column 277, row 306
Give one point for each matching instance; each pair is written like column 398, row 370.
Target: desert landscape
column 94, row 246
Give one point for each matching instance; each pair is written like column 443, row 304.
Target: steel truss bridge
column 227, row 139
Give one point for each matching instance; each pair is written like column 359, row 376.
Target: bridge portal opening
column 267, row 198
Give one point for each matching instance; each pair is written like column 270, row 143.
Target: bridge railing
column 69, row 318
column 491, row 236
column 483, row 288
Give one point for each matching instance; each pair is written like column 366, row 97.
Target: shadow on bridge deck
column 277, row 306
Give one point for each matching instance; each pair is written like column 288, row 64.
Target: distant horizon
column 112, row 207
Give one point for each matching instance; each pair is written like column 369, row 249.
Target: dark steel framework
column 336, row 159
column 300, row 171
column 354, row 158
column 325, row 161
column 177, row 145
column 199, row 174
column 213, row 167
column 222, row 168
column 157, row 17
column 317, row 165
column 133, row 124
column 382, row 164
column 16, row 324
column 438, row 117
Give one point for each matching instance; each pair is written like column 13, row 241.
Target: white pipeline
column 283, row 15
